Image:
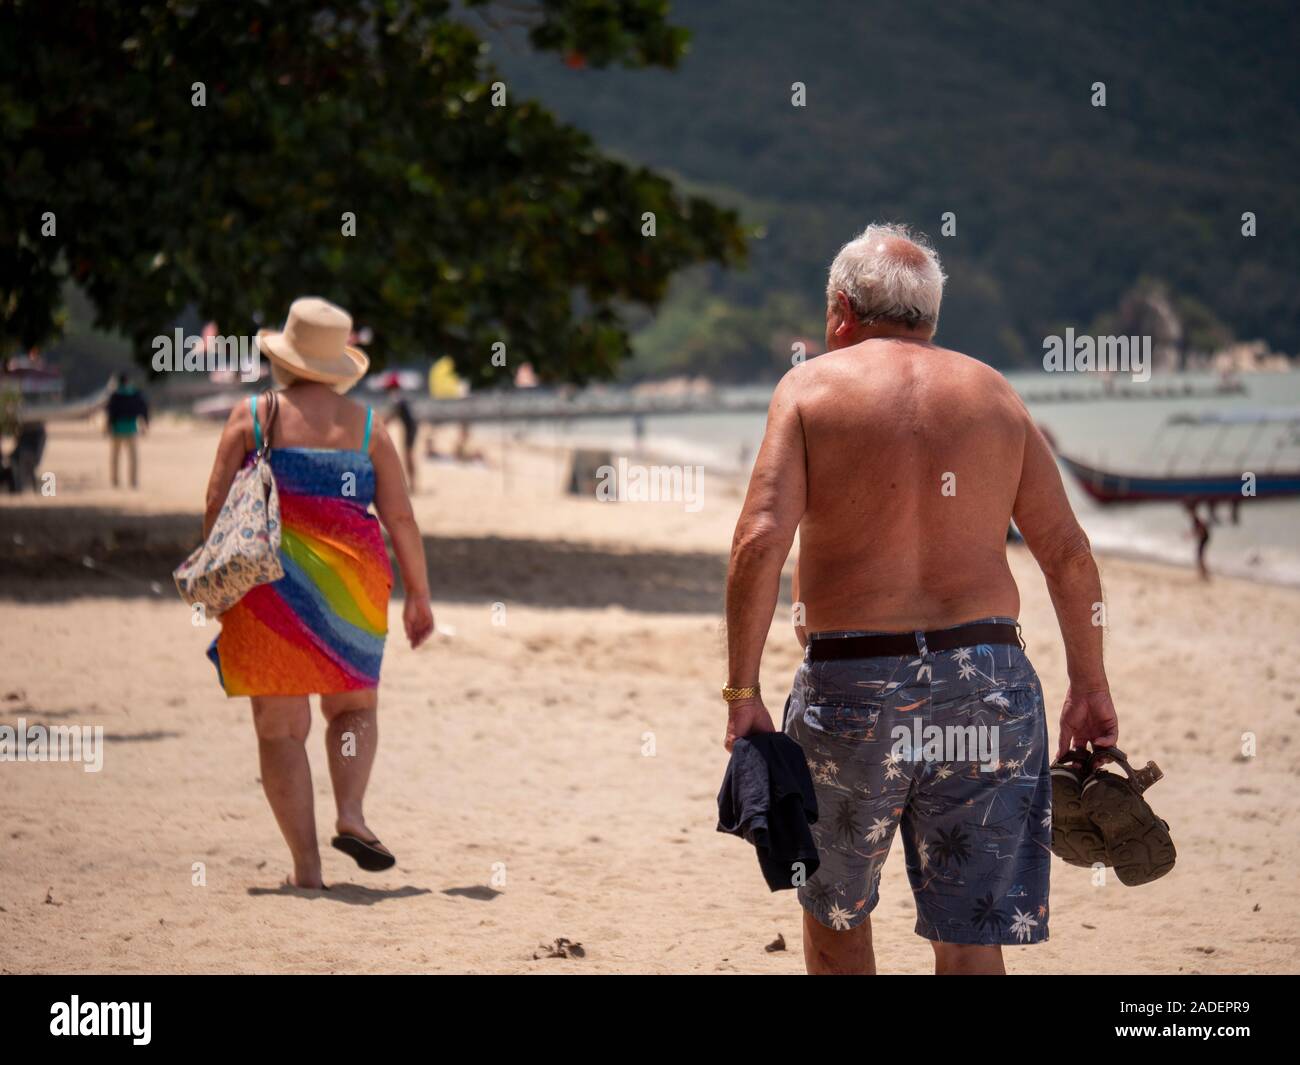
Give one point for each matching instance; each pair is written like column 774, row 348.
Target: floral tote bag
column 243, row 549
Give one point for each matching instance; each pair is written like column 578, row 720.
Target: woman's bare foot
column 306, row 882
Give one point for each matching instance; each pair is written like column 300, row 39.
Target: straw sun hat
column 313, row 345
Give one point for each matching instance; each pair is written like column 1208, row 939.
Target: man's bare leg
column 350, row 743
column 282, row 723
column 827, row 952
column 964, row 959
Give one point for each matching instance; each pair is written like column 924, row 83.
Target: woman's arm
column 394, row 508
column 236, row 442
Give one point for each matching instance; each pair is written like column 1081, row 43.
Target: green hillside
column 918, row 108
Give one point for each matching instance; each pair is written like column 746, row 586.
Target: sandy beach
column 549, row 770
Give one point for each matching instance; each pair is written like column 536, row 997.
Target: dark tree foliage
column 916, row 108
column 474, row 223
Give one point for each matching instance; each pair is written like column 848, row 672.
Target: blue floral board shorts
column 952, row 747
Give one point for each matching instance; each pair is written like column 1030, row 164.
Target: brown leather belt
column 824, row 648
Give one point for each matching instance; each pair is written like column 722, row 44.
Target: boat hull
column 1106, row 487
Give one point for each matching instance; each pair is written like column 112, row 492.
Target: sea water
column 1126, row 435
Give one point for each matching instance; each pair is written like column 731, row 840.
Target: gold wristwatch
column 733, row 695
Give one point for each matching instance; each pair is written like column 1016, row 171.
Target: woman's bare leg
column 351, row 741
column 282, row 723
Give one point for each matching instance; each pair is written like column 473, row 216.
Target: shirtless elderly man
column 902, row 464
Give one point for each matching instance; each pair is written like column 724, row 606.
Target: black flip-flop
column 365, row 853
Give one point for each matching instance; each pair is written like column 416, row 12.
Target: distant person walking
column 321, row 628
column 127, row 408
column 901, row 464
column 400, row 410
column 1201, row 533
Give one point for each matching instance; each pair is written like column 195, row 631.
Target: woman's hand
column 417, row 616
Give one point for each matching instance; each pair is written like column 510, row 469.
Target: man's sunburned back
column 889, row 540
column 900, row 465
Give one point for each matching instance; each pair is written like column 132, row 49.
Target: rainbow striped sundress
column 319, row 629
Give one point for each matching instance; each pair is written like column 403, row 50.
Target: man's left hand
column 744, row 717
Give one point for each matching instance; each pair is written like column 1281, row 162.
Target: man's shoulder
column 794, row 382
column 811, row 372
column 834, row 365
column 989, row 379
column 830, row 372
column 973, row 364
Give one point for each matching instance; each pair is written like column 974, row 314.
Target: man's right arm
column 1060, row 547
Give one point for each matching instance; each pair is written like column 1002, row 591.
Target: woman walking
column 319, row 629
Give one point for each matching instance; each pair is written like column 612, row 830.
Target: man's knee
column 967, row 958
column 828, row 952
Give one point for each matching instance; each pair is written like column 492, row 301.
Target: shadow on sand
column 352, row 894
column 49, row 555
column 478, row 892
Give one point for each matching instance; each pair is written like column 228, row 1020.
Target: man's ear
column 848, row 321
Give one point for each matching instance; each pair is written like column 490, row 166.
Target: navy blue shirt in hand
column 767, row 798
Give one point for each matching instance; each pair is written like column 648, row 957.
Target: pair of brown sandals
column 1100, row 818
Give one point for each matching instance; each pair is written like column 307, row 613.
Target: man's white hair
column 886, row 282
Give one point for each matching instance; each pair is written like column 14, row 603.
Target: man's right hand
column 746, row 716
column 1088, row 718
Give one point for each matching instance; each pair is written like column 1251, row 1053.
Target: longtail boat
column 1107, row 487
column 1252, row 480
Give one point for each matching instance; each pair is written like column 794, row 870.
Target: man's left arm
column 773, row 509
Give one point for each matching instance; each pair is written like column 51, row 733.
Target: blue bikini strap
column 370, row 417
column 257, row 429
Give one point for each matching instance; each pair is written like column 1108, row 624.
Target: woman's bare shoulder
column 352, row 410
column 350, row 415
column 240, row 414
column 239, row 426
column 240, row 418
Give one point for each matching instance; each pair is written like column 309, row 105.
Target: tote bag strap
column 262, row 441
